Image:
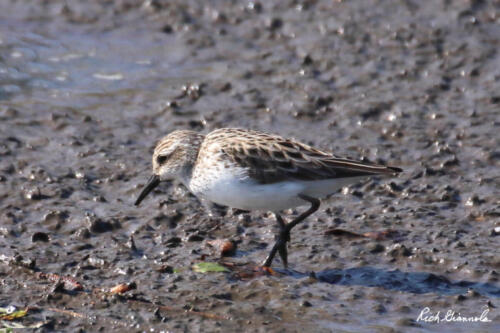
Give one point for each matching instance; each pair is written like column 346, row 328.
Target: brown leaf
column 225, row 247
column 69, row 282
column 123, row 288
column 377, row 235
column 381, row 235
column 342, row 232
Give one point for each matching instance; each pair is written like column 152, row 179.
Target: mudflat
column 87, row 89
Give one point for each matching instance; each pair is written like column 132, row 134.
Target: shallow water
column 87, row 88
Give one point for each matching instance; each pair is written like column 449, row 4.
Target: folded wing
column 271, row 159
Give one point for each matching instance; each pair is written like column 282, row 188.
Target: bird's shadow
column 411, row 282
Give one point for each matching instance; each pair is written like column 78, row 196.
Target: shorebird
column 251, row 170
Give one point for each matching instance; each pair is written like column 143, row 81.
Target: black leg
column 284, row 233
column 282, row 239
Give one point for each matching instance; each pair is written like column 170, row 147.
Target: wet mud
column 86, row 89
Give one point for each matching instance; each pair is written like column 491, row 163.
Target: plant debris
column 69, row 282
column 209, row 267
column 123, row 288
column 11, row 313
column 225, row 247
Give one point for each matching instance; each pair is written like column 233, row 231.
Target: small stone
column 473, row 293
column 99, row 198
column 376, row 248
column 225, row 87
column 4, row 231
column 493, row 156
column 306, row 304
column 167, row 29
column 83, row 233
column 195, row 238
column 18, row 260
column 173, row 242
column 449, row 194
column 495, row 99
column 275, row 23
column 307, row 60
column 79, row 175
column 98, row 225
column 399, row 250
column 33, row 194
column 474, row 201
column 407, row 322
column 223, row 296
column 40, row 237
column 225, row 247
column 54, row 219
column 96, row 262
column 8, row 112
column 379, row 308
column 165, row 269
column 255, row 6
column 82, row 247
column 171, row 104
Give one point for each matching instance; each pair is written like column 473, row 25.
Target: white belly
column 250, row 196
column 243, row 193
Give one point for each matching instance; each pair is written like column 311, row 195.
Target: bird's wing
column 270, row 159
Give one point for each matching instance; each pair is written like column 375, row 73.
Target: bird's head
column 173, row 158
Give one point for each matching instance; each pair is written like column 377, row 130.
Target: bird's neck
column 191, row 157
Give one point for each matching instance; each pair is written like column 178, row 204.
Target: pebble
column 375, row 247
column 173, row 242
column 54, row 219
column 98, row 225
column 40, row 237
column 83, row 233
column 306, row 304
column 407, row 322
column 33, row 194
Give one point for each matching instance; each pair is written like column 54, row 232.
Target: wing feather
column 271, row 159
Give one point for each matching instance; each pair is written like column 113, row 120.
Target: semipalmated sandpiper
column 251, row 170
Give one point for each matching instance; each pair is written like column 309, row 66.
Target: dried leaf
column 69, row 282
column 5, row 315
column 123, row 288
column 8, row 326
column 68, row 312
column 381, row 235
column 377, row 235
column 224, row 246
column 208, row 267
column 342, row 232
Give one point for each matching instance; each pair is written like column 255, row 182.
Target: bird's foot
column 279, row 246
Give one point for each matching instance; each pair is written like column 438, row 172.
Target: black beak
column 152, row 183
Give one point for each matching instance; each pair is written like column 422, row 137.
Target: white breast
column 232, row 187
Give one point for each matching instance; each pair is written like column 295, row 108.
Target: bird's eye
column 161, row 159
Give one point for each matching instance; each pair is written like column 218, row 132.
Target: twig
column 173, row 309
column 68, row 312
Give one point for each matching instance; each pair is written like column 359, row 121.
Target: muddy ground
column 86, row 88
